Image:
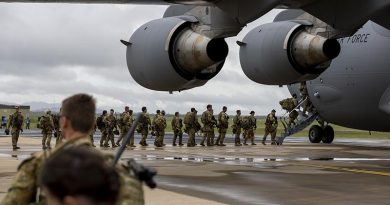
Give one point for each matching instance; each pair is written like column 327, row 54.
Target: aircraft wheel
column 315, row 134
column 328, row 133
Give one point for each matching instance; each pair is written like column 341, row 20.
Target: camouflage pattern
column 249, row 133
column 223, row 125
column 103, row 133
column 143, row 128
column 47, row 126
column 191, row 128
column 209, row 122
column 307, row 105
column 271, row 125
column 110, row 125
column 15, row 128
column 177, row 125
column 126, row 121
column 160, row 124
column 25, row 188
column 237, row 120
column 57, row 129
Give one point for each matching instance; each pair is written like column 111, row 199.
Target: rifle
column 141, row 172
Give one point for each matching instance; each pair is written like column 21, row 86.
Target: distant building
column 6, row 110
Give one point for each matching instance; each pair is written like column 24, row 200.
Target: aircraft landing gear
column 318, row 134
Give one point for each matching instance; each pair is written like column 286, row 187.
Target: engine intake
column 167, row 55
column 283, row 52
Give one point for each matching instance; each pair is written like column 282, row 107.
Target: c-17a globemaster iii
column 338, row 48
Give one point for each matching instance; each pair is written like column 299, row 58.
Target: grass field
column 340, row 132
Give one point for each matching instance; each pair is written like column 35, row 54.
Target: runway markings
column 387, row 174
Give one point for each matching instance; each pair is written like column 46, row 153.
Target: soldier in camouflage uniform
column 57, row 133
column 209, row 122
column 237, row 120
column 76, row 121
column 192, row 126
column 111, row 125
column 158, row 113
column 223, row 124
column 125, row 122
column 177, row 125
column 249, row 132
column 143, row 126
column 160, row 125
column 271, row 124
column 47, row 126
column 102, row 127
column 307, row 105
column 15, row 123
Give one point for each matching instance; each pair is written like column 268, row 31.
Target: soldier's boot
column 181, row 141
column 44, row 146
column 222, row 140
column 202, row 142
column 245, row 142
column 174, row 140
column 263, row 142
column 218, row 140
column 253, row 141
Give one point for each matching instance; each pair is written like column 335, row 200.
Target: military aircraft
column 338, row 48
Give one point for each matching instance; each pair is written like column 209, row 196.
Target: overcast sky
column 51, row 51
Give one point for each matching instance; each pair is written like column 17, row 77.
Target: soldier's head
column 48, row 112
column 111, row 111
column 238, row 112
column 163, row 112
column 127, row 108
column 70, row 179
column 252, row 113
column 158, row 111
column 176, row 114
column 130, row 112
column 77, row 115
column 294, row 95
column 209, row 107
column 273, row 112
column 224, row 109
column 17, row 108
column 104, row 112
column 144, row 109
column 193, row 110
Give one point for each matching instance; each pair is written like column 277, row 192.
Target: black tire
column 328, row 133
column 315, row 134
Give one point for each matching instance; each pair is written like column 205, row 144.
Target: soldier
column 28, row 121
column 249, row 123
column 102, row 127
column 223, row 124
column 77, row 118
column 143, row 126
column 290, row 104
column 57, row 133
column 209, row 122
column 89, row 179
column 307, row 105
column 111, row 126
column 177, row 125
column 159, row 125
column 47, row 126
column 15, row 122
column 271, row 124
column 125, row 122
column 158, row 112
column 237, row 123
column 192, row 126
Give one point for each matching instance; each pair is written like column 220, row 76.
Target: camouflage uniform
column 110, row 126
column 223, row 124
column 159, row 125
column 25, row 188
column 237, row 120
column 177, row 124
column 192, row 126
column 103, row 130
column 126, row 121
column 209, row 122
column 15, row 122
column 47, row 126
column 58, row 133
column 249, row 132
column 271, row 123
column 307, row 105
column 143, row 128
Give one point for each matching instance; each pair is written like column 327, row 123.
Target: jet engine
column 283, row 52
column 167, row 55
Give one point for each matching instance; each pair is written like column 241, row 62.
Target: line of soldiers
column 109, row 125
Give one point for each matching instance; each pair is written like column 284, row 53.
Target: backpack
column 99, row 122
column 287, row 104
column 159, row 123
column 187, row 118
column 246, row 122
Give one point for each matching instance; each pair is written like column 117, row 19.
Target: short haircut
column 224, row 107
column 143, row 109
column 176, row 113
column 192, row 109
column 209, row 106
column 158, row 111
column 68, row 173
column 80, row 110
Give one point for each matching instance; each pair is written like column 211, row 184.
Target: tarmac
column 349, row 171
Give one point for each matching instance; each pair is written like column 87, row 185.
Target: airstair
column 303, row 121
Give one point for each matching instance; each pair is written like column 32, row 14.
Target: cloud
column 50, row 51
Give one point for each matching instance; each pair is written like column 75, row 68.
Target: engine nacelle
column 283, row 52
column 167, row 55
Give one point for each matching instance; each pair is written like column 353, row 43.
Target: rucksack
column 99, row 122
column 287, row 104
column 246, row 122
column 159, row 123
column 187, row 118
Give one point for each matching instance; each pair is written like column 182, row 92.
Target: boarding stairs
column 303, row 121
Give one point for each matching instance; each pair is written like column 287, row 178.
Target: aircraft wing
column 188, row 2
